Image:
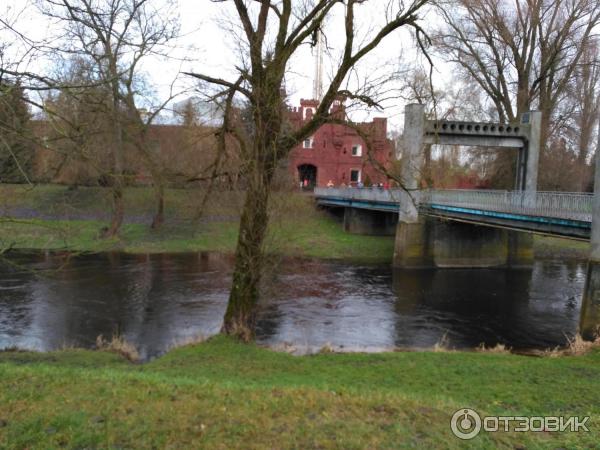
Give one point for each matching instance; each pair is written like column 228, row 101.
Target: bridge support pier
column 589, row 324
column 459, row 244
column 433, row 243
column 413, row 245
column 520, row 249
column 423, row 242
column 377, row 223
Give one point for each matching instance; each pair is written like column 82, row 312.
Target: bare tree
column 577, row 115
column 272, row 32
column 116, row 36
column 76, row 126
column 522, row 53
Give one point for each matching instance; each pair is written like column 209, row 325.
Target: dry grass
column 284, row 347
column 239, row 330
column 443, row 345
column 577, row 346
column 189, row 340
column 498, row 348
column 118, row 345
column 327, row 348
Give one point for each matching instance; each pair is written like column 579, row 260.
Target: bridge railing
column 563, row 205
column 373, row 194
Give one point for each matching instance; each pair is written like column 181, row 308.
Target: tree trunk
column 117, row 163
column 159, row 216
column 117, row 213
column 118, row 210
column 240, row 317
column 158, row 179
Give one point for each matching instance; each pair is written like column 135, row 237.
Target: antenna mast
column 318, row 80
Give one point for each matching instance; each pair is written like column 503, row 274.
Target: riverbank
column 57, row 218
column 223, row 394
column 53, row 217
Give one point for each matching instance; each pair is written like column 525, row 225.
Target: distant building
column 337, row 154
column 334, row 153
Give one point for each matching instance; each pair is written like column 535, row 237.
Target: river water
column 51, row 301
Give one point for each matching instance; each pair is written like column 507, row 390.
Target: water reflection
column 155, row 301
column 337, row 305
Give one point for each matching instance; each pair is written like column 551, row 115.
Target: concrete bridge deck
column 555, row 213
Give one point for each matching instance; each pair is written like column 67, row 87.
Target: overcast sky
column 210, row 49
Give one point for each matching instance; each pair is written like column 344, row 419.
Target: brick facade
column 337, row 153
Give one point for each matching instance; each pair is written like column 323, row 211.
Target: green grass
column 222, row 394
column 297, row 227
column 552, row 247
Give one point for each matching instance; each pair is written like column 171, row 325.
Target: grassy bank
column 59, row 218
column 221, row 394
column 551, row 247
column 55, row 217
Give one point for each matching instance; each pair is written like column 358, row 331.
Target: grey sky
column 210, row 49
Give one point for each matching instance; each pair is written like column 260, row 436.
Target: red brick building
column 337, row 153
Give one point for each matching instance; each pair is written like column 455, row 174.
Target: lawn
column 224, row 394
column 54, row 222
column 55, row 217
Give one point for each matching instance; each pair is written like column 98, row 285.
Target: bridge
column 553, row 213
column 474, row 228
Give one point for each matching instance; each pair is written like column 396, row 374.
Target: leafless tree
column 577, row 117
column 522, row 53
column 272, row 32
column 115, row 36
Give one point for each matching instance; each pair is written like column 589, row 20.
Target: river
column 52, row 300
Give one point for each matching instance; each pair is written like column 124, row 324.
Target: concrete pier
column 413, row 238
column 434, row 243
column 589, row 324
column 520, row 249
column 375, row 223
column 590, row 306
column 413, row 246
column 458, row 244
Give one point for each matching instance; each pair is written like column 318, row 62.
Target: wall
column 181, row 152
column 331, row 152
